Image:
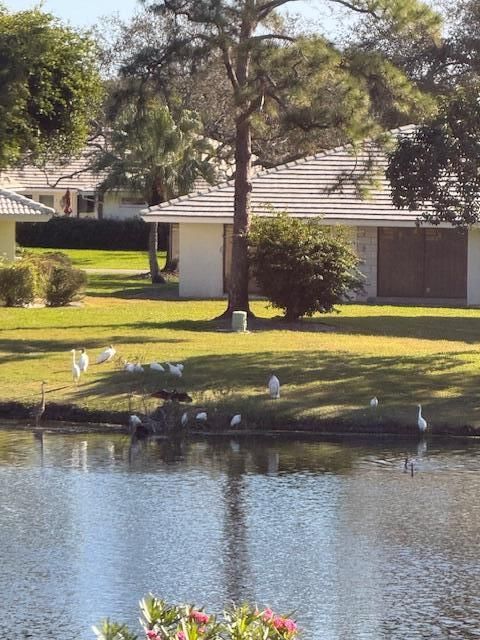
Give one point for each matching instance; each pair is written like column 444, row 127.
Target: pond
column 334, row 531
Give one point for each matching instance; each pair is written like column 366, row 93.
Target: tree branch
column 271, row 6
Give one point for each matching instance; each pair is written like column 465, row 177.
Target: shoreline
column 71, row 419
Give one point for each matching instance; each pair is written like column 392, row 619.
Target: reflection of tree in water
column 236, row 562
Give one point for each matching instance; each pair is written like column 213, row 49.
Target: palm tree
column 148, row 151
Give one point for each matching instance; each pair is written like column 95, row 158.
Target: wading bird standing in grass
column 75, row 368
column 421, row 422
column 156, row 366
column 274, row 387
column 374, row 402
column 106, row 355
column 175, row 369
column 184, row 419
column 39, row 409
column 201, row 417
column 83, row 361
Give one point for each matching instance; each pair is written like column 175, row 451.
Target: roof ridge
column 271, row 170
column 28, row 202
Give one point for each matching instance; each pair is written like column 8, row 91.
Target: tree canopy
column 50, row 89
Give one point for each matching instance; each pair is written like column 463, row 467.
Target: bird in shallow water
column 421, row 422
column 274, row 387
column 39, row 409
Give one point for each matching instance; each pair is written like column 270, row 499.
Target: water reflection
column 335, row 531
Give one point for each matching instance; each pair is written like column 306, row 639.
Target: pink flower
column 200, row 617
column 290, row 625
column 152, row 635
column 268, row 615
column 181, row 636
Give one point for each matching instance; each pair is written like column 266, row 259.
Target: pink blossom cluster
column 279, row 622
column 152, row 635
column 200, row 617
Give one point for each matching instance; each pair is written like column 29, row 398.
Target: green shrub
column 18, row 284
column 44, row 265
column 302, row 266
column 64, row 285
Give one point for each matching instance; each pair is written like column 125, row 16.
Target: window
column 86, row 204
column 47, row 200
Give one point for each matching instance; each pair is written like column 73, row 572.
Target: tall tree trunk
column 238, row 293
column 155, row 274
column 170, row 261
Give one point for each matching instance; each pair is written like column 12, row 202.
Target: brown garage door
column 422, row 263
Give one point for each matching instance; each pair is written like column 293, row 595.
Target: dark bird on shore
column 39, row 409
column 176, row 396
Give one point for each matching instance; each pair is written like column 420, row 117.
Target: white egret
column 421, row 422
column 184, row 419
column 236, row 420
column 180, row 366
column 75, row 368
column 202, row 416
column 134, row 421
column 174, row 370
column 156, row 366
column 274, row 387
column 137, row 368
column 374, row 402
column 106, row 355
column 83, row 361
column 129, row 367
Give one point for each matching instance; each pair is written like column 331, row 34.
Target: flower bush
column 161, row 621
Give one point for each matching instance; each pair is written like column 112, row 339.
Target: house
column 72, row 189
column 17, row 208
column 401, row 261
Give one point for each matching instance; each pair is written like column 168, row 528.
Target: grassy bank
column 329, row 368
column 97, row 259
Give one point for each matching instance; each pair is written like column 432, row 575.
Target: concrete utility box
column 239, row 321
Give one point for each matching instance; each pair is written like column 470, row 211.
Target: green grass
column 404, row 355
column 97, row 259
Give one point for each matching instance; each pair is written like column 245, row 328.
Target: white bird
column 274, row 387
column 137, row 368
column 184, row 419
column 106, row 355
column 374, row 402
column 421, row 422
column 75, row 368
column 174, row 370
column 202, row 416
column 134, row 421
column 129, row 367
column 180, row 366
column 236, row 420
column 83, row 361
column 156, row 366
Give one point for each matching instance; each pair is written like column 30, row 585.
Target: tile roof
column 71, row 175
column 13, row 204
column 304, row 188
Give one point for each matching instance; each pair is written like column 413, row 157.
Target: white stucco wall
column 112, row 207
column 473, row 268
column 7, row 239
column 201, row 260
column 367, row 250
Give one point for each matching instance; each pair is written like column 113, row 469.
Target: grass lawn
column 404, row 355
column 97, row 259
